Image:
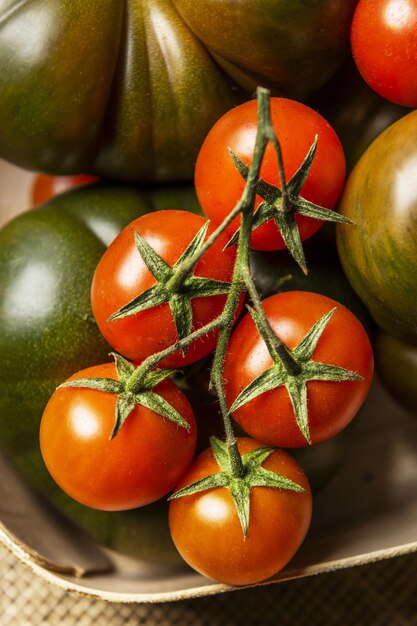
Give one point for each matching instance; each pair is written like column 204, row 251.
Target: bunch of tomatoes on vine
column 291, row 370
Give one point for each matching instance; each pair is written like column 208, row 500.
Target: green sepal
column 295, row 185
column 331, row 373
column 317, row 212
column 155, row 263
column 297, row 390
column 159, row 405
column 171, row 287
column 270, row 379
column 128, row 396
column 240, row 490
column 124, row 368
column 272, row 206
column 198, row 287
column 296, row 383
column 220, row 453
column 124, row 406
column 152, row 297
column 108, row 385
column 266, row 478
column 204, row 484
column 194, row 246
column 305, row 349
column 288, row 227
column 153, row 378
column 240, row 487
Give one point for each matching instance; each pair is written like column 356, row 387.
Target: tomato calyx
column 294, row 379
column 175, row 285
column 133, row 387
column 282, row 207
column 254, row 475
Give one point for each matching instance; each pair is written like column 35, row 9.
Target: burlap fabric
column 381, row 594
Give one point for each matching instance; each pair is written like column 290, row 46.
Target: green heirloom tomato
column 396, row 363
column 379, row 254
column 129, row 88
column 47, row 332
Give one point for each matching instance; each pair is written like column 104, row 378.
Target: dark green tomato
column 277, row 271
column 47, row 332
column 396, row 363
column 379, row 254
column 128, row 89
column 356, row 112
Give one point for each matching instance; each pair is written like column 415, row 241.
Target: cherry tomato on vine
column 207, row 533
column 331, row 403
column 142, row 463
column 384, row 47
column 122, row 275
column 46, row 187
column 219, row 185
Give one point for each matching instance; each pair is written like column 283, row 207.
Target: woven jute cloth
column 382, row 594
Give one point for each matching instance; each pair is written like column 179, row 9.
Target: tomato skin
column 219, row 185
column 139, row 465
column 384, row 46
column 331, row 405
column 122, row 274
column 46, row 187
column 379, row 254
column 207, row 532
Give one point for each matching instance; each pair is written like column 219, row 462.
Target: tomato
column 139, row 465
column 93, row 94
column 384, row 46
column 206, row 530
column 219, row 185
column 122, row 275
column 331, row 405
column 46, row 187
column 379, row 254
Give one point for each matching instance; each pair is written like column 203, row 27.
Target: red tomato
column 122, row 275
column 207, row 533
column 46, row 187
column 219, row 185
column 384, row 46
column 331, row 405
column 142, row 463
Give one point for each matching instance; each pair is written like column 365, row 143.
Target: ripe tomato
column 122, row 275
column 46, row 187
column 384, row 46
column 219, row 185
column 142, row 463
column 207, row 533
column 331, row 405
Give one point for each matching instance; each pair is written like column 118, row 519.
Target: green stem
column 152, row 361
column 185, row 270
column 276, row 347
column 286, row 203
column 241, row 281
column 245, row 205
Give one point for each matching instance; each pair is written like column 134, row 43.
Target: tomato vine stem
column 242, row 282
